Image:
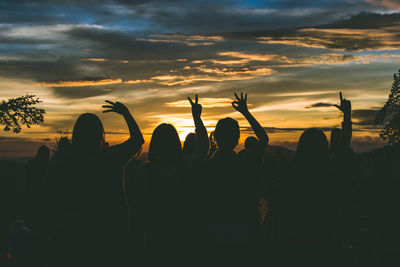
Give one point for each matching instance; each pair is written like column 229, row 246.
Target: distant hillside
column 279, row 151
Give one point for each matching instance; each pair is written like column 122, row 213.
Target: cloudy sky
column 292, row 57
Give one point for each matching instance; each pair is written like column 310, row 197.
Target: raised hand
column 345, row 105
column 116, row 107
column 196, row 107
column 240, row 104
column 135, row 135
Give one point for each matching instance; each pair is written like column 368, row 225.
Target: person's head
column 189, row 144
column 43, row 153
column 312, row 149
column 227, row 134
column 250, row 143
column 165, row 144
column 88, row 133
column 335, row 137
column 63, row 143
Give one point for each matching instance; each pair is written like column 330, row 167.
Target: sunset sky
column 291, row 57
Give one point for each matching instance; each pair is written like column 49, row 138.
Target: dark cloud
column 364, row 116
column 319, row 105
column 365, row 20
column 365, row 31
column 182, row 15
column 80, row 92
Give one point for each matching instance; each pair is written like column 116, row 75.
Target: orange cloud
column 213, row 75
column 137, row 81
column 171, row 80
column 190, row 40
column 237, row 72
column 94, row 59
column 296, row 41
column 385, row 3
column 341, row 39
column 250, row 57
column 230, row 62
column 205, row 102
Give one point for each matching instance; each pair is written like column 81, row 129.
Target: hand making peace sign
column 196, row 107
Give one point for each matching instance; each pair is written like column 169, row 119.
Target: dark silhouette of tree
column 391, row 112
column 19, row 111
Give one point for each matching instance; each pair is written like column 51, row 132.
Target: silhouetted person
column 252, row 157
column 189, row 144
column 253, row 152
column 231, row 190
column 36, row 172
column 307, row 212
column 160, row 193
column 63, row 143
column 343, row 168
column 87, row 212
column 251, row 143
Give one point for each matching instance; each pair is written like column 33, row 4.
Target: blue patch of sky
column 377, row 52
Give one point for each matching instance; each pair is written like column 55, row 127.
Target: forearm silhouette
column 240, row 104
column 202, row 142
column 345, row 107
column 119, row 108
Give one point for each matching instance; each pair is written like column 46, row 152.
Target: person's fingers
column 197, row 99
column 107, row 106
column 190, row 100
column 108, row 110
column 241, row 95
column 235, row 104
column 341, row 96
column 337, row 106
column 110, row 102
column 245, row 97
column 236, row 96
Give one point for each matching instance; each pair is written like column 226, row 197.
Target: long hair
column 165, row 144
column 88, row 133
column 190, row 144
column 335, row 138
column 312, row 154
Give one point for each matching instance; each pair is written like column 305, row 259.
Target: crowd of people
column 202, row 204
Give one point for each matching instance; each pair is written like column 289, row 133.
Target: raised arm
column 240, row 104
column 202, row 142
column 136, row 137
column 345, row 107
